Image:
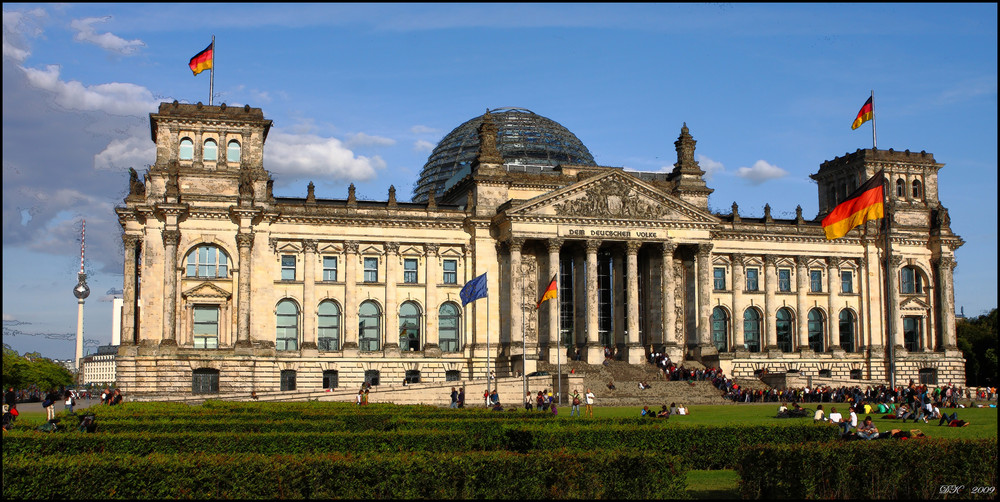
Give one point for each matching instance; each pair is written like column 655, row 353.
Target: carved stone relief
column 611, row 199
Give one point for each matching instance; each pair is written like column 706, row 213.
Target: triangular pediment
column 914, row 303
column 207, row 290
column 615, row 195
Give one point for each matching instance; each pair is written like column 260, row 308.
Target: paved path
column 36, row 407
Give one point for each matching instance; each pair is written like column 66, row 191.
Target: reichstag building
column 228, row 288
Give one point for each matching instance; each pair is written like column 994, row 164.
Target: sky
column 362, row 93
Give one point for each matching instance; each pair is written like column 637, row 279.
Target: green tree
column 20, row 372
column 977, row 338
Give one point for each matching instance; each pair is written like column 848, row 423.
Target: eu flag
column 473, row 290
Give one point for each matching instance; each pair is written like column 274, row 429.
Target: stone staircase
column 627, row 377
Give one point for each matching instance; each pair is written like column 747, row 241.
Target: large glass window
column 816, row 281
column 846, row 281
column 719, row 275
column 450, row 272
column 911, row 282
column 205, row 381
column 912, row 331
column 211, row 150
column 847, row 330
column 371, row 269
column 372, row 377
column 927, row 376
column 751, row 330
column 233, row 151
column 206, row 326
column 409, row 326
column 370, row 319
column 329, row 326
column 331, row 379
column 816, row 330
column 448, row 327
column 784, row 280
column 752, row 279
column 207, row 261
column 720, row 329
column 288, row 267
column 287, row 322
column 783, row 326
column 288, row 379
column 566, row 301
column 410, row 270
column 329, row 268
column 186, row 150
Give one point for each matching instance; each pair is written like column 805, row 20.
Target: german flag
column 866, row 203
column 550, row 292
column 203, row 60
column 866, row 114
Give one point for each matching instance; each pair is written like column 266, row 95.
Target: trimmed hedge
column 469, row 475
column 880, row 469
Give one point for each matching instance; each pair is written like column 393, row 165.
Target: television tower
column 81, row 292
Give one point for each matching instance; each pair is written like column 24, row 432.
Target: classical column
column 309, row 307
column 946, row 290
column 770, row 305
column 669, row 301
column 128, row 290
column 595, row 353
column 895, row 334
column 431, row 279
column 635, row 351
column 579, row 296
column 739, row 284
column 350, row 328
column 555, row 342
column 244, row 244
column 517, row 285
column 391, row 303
column 833, row 284
column 618, row 297
column 171, row 238
column 704, row 299
column 801, row 301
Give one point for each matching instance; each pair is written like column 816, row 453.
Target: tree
column 977, row 338
column 20, row 372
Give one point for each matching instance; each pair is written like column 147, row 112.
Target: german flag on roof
column 203, row 60
column 864, row 204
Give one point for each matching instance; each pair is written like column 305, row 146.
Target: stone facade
column 228, row 287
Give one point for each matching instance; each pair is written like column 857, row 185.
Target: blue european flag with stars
column 473, row 290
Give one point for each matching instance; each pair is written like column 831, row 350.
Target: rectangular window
column 288, row 267
column 912, row 332
column 329, row 268
column 720, row 277
column 410, row 270
column 846, row 282
column 752, row 279
column 784, row 280
column 450, row 272
column 816, row 281
column 206, row 327
column 371, row 269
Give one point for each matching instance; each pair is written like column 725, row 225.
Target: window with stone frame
column 205, row 326
column 330, row 268
column 288, row 267
column 846, row 281
column 751, row 329
column 410, row 270
column 208, row 261
column 912, row 332
column 328, row 327
column 910, row 281
column 371, row 269
column 815, row 325
column 847, row 321
column 719, row 278
column 448, row 327
column 369, row 326
column 210, row 151
column 287, row 326
column 450, row 268
column 816, row 281
column 186, row 149
column 783, row 329
column 752, row 274
column 233, row 151
column 784, row 280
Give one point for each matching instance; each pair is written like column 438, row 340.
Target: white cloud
column 85, row 33
column 323, row 158
column 17, row 25
column 116, row 98
column 710, row 166
column 761, row 172
column 423, row 146
column 422, row 129
column 121, row 154
column 362, row 139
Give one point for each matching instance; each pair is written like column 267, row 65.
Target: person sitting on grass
column 818, row 417
column 664, row 412
column 835, row 416
column 646, row 412
column 867, row 429
column 682, row 410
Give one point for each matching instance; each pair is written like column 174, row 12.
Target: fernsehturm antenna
column 81, row 291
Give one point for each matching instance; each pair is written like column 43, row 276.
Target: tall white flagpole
column 211, row 74
column 874, row 142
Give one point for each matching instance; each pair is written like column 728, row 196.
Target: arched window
column 288, row 379
column 287, row 322
column 186, row 150
column 448, row 327
column 751, row 329
column 910, row 281
column 783, row 325
column 409, row 326
column 331, row 379
column 720, row 328
column 370, row 320
column 916, row 189
column 900, row 188
column 205, row 381
column 207, row 261
column 233, row 151
column 211, row 150
column 816, row 330
column 329, row 326
column 847, row 330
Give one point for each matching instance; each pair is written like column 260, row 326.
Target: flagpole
column 211, row 74
column 874, row 142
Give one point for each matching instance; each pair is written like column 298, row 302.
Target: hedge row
column 469, row 475
column 882, row 469
column 702, row 447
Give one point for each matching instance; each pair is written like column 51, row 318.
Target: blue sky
column 362, row 93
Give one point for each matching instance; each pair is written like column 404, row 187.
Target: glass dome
column 526, row 140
